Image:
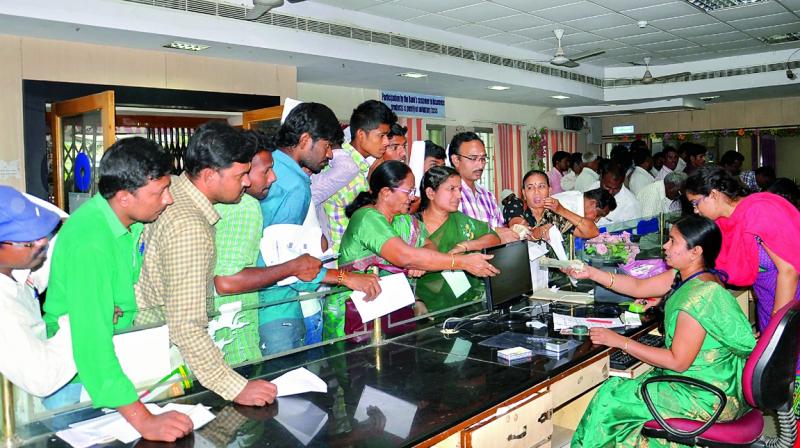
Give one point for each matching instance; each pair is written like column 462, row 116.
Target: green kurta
column 617, row 412
column 367, row 232
column 432, row 288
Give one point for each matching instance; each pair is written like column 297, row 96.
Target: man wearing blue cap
column 37, row 365
column 95, row 264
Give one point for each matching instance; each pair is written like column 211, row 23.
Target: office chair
column 767, row 383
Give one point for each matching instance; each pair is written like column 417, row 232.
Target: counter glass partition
column 235, row 329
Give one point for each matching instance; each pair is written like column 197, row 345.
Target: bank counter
column 415, row 387
column 423, row 389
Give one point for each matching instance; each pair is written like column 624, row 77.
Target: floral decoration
column 537, row 145
column 615, row 247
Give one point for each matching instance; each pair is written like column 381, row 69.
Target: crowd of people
column 152, row 247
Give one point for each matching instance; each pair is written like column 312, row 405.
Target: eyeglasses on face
column 479, row 159
column 697, row 201
column 27, row 244
column 411, row 192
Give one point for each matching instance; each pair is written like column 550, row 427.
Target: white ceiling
column 676, row 32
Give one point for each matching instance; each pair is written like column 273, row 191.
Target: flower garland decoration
column 537, row 145
column 676, row 138
column 611, row 246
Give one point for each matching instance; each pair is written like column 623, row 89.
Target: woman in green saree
column 708, row 338
column 449, row 231
column 372, row 239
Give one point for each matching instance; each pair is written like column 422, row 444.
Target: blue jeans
column 67, row 395
column 313, row 328
column 280, row 335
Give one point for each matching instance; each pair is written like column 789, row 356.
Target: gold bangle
column 466, row 249
column 610, row 285
column 625, row 348
column 340, row 277
column 452, row 261
column 580, row 221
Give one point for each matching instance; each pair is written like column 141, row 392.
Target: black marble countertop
column 397, row 394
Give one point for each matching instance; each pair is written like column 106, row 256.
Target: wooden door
column 82, row 129
column 267, row 120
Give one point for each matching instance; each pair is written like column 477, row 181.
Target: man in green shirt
column 95, row 264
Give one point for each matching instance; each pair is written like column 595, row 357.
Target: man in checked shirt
column 178, row 270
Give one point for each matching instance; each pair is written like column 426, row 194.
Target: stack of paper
column 113, row 426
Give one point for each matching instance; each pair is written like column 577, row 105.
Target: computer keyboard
column 623, row 361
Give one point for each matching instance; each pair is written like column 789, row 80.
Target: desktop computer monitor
column 514, row 279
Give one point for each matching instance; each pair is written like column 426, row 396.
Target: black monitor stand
column 506, row 318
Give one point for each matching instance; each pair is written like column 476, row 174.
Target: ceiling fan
column 261, row 7
column 648, row 77
column 561, row 60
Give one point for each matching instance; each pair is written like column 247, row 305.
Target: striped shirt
column 238, row 234
column 176, row 284
column 480, row 205
column 335, row 205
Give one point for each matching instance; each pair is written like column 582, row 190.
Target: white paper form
column 539, row 276
column 144, row 354
column 288, row 105
column 302, row 418
column 299, row 381
column 283, row 242
column 561, row 321
column 108, row 428
column 395, row 294
column 416, row 161
column 458, row 282
column 399, row 413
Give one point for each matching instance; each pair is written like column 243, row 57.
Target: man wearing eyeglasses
column 467, row 154
column 38, row 365
column 304, row 143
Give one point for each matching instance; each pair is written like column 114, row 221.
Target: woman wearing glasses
column 449, row 231
column 759, row 238
column 381, row 234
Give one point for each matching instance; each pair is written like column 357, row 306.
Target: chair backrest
column 769, row 373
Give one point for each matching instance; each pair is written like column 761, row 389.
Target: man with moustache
column 95, row 264
column 370, row 124
column 178, row 269
column 304, row 144
column 468, row 156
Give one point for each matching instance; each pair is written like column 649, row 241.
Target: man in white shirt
column 575, row 168
column 658, row 162
column 588, row 176
column 662, row 196
column 641, row 177
column 31, row 361
column 671, row 159
column 628, row 207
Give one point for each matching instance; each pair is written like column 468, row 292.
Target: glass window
column 487, row 179
column 436, row 134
